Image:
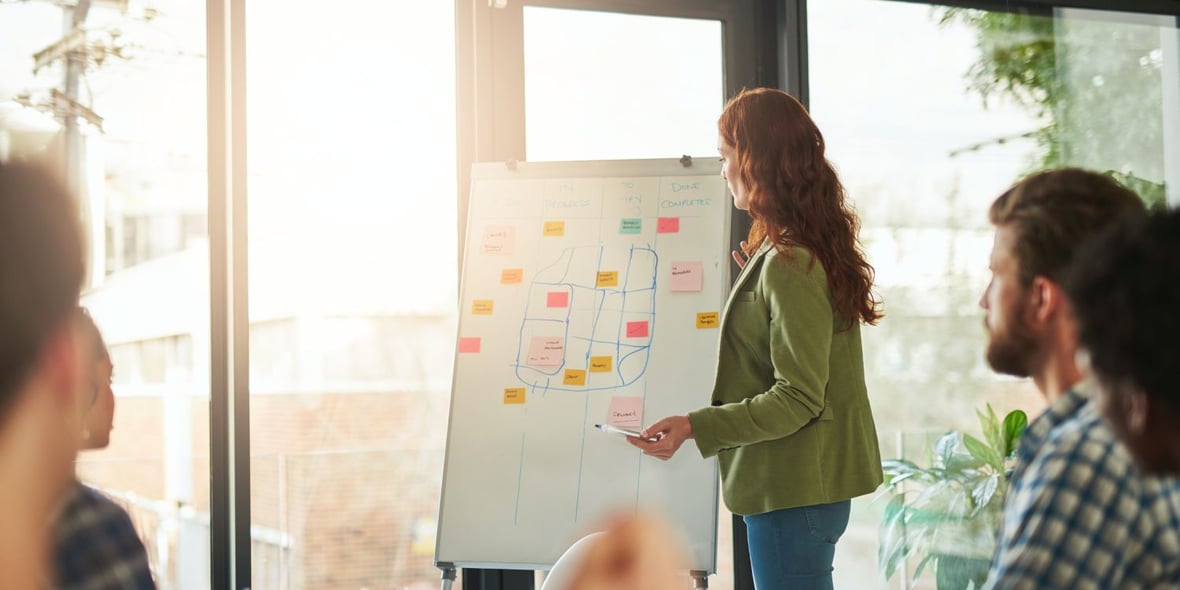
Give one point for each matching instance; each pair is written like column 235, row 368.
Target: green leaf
column 891, row 547
column 1014, row 424
column 922, row 565
column 990, row 425
column 985, row 491
column 983, row 452
column 945, row 447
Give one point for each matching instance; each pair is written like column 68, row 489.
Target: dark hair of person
column 41, row 268
column 1053, row 212
column 796, row 199
column 1124, row 287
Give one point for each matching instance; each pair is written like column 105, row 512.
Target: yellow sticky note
column 511, row 276
column 514, row 395
column 574, row 377
column 481, row 307
column 608, row 278
column 554, row 229
column 708, row 319
column 601, row 364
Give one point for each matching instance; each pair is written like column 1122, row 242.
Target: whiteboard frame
column 481, row 171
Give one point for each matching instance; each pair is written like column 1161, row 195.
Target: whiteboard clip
column 686, row 161
column 511, row 165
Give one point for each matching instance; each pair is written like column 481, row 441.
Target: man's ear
column 60, row 364
column 1044, row 298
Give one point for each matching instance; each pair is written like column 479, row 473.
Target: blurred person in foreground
column 97, row 547
column 633, row 553
column 42, row 363
column 1125, row 286
column 1077, row 513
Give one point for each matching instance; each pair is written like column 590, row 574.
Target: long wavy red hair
column 795, row 196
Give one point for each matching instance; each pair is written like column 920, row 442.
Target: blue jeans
column 793, row 549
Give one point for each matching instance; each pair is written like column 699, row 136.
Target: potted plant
column 947, row 515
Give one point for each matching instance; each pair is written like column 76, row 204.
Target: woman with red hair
column 790, row 422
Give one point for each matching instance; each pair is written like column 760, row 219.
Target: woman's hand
column 669, row 434
column 739, row 256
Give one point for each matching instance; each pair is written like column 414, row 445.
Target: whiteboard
column 591, row 293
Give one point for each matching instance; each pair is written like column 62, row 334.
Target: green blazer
column 790, row 422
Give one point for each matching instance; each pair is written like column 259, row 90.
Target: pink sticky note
column 559, row 299
column 637, row 329
column 499, row 239
column 668, row 225
column 687, row 276
column 626, row 412
column 469, row 345
column 546, row 351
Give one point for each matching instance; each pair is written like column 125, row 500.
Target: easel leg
column 700, row 580
column 448, row 577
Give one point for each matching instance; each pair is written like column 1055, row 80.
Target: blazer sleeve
column 801, row 321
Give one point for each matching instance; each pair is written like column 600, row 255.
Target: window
column 128, row 123
column 352, row 289
column 926, row 128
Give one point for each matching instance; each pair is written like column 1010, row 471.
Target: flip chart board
column 583, row 291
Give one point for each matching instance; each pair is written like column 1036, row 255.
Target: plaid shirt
column 1080, row 516
column 97, row 547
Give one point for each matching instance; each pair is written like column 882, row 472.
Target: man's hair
column 41, row 268
column 1125, row 285
column 1053, row 212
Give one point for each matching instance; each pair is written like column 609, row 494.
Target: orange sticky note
column 469, row 345
column 574, row 377
column 554, row 229
column 668, row 225
column 481, row 307
column 511, row 276
column 514, row 395
column 601, row 364
column 637, row 329
column 608, row 278
column 708, row 319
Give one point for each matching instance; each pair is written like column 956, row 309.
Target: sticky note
column 574, row 377
column 707, row 319
column 668, row 225
column 608, row 278
column 514, row 395
column 626, row 412
column 546, row 351
column 499, row 239
column 687, row 276
column 630, row 225
column 601, row 364
column 511, row 276
column 637, row 329
column 554, row 229
column 481, row 307
column 468, row 345
column 558, row 299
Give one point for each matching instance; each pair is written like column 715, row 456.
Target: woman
column 790, row 422
column 97, row 546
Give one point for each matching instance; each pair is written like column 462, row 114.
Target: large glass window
column 117, row 99
column 609, row 86
column 352, row 210
column 929, row 114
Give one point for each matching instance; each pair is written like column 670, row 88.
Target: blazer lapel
column 744, row 276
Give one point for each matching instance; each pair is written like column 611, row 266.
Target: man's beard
column 1012, row 352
